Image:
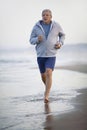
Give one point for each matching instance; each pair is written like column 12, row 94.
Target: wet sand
column 22, row 113
column 73, row 120
column 76, row 67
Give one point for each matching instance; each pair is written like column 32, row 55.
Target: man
column 48, row 37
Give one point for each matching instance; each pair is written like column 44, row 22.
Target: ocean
column 21, row 88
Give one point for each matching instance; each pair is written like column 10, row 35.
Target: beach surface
column 22, row 91
column 23, row 107
column 76, row 119
column 75, row 67
column 73, row 120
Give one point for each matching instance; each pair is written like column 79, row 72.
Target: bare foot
column 46, row 100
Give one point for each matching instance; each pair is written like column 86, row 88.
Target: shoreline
column 75, row 119
column 76, row 67
column 66, row 111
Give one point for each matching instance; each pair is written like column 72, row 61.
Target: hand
column 57, row 45
column 40, row 38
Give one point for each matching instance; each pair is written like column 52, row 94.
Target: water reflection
column 49, row 117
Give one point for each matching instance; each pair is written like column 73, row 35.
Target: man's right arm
column 33, row 38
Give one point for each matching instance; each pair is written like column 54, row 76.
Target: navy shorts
column 46, row 62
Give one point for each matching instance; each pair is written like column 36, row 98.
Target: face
column 46, row 17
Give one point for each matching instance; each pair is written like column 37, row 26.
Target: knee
column 43, row 76
column 48, row 72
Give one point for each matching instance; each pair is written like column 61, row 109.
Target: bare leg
column 43, row 76
column 47, row 80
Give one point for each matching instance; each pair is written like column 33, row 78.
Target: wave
column 14, row 61
column 55, row 96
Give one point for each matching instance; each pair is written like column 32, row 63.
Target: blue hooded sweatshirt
column 46, row 48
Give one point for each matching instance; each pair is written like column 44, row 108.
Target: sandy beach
column 67, row 109
column 76, row 119
column 73, row 120
column 75, row 67
column 22, row 93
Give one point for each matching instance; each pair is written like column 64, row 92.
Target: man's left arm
column 61, row 38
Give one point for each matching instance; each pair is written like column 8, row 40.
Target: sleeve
column 33, row 37
column 61, row 35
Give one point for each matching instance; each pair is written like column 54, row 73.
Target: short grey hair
column 47, row 10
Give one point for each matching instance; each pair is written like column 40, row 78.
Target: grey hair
column 47, row 10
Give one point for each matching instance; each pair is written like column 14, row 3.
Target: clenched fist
column 57, row 45
column 40, row 38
